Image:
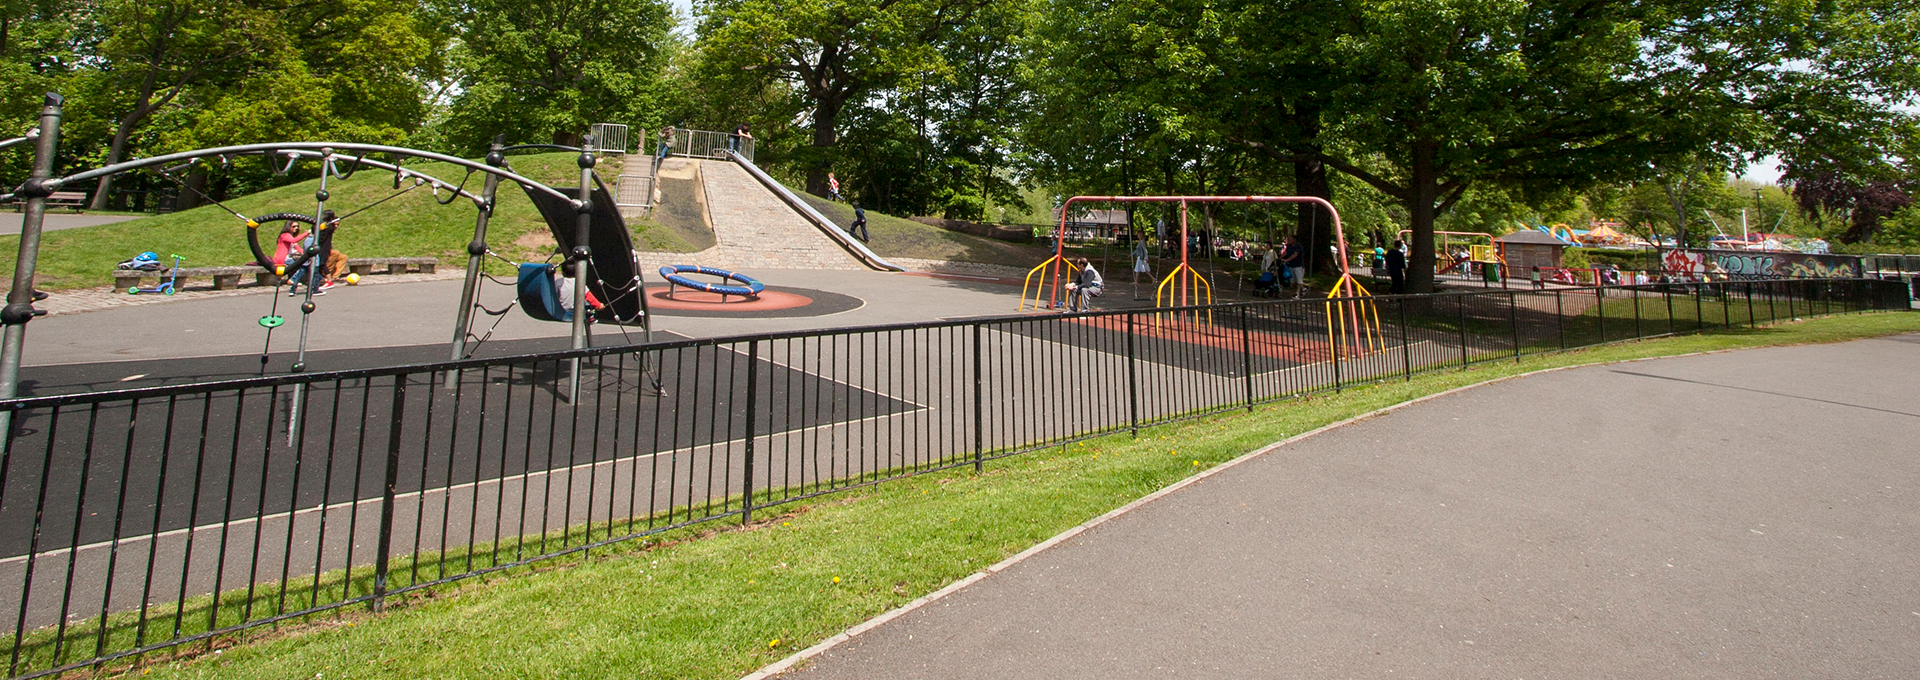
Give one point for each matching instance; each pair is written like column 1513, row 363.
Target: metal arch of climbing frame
column 309, row 150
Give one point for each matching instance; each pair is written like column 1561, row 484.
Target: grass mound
column 411, row 225
column 897, row 237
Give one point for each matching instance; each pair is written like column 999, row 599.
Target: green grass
column 898, row 237
column 411, row 225
column 727, row 600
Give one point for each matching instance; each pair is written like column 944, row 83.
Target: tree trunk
column 826, row 114
column 196, row 185
column 1424, row 192
column 115, row 152
column 1315, row 224
column 1678, row 198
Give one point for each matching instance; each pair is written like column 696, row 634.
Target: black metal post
column 1513, row 317
column 1560, row 317
column 476, row 260
column 1246, row 355
column 1600, row 309
column 385, row 543
column 581, row 253
column 1462, row 306
column 19, row 309
column 979, row 424
column 1406, row 350
column 753, row 407
column 1637, row 331
column 1133, row 381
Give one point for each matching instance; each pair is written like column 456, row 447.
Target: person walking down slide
column 859, row 227
column 666, row 145
column 1086, row 286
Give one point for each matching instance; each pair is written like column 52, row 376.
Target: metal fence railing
column 140, row 520
column 703, row 144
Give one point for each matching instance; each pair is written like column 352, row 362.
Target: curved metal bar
column 399, row 172
column 554, row 147
column 312, row 147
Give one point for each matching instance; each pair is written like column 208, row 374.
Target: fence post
column 1133, row 382
column 979, row 439
column 1638, row 332
column 1513, row 318
column 1699, row 308
column 1600, row 309
column 1406, row 352
column 385, row 542
column 753, row 406
column 1560, row 317
column 1462, row 306
column 1246, row 354
column 1747, row 286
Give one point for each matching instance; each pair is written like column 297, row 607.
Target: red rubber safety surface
column 770, row 302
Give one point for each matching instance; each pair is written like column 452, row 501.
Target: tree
column 158, row 49
column 545, row 69
column 833, row 53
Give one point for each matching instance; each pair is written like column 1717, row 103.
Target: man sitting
column 1086, row 286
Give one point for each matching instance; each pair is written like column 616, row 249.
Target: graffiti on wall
column 1751, row 264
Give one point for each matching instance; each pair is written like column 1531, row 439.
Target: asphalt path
column 55, row 221
column 1735, row 515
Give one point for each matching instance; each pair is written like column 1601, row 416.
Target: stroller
column 1268, row 285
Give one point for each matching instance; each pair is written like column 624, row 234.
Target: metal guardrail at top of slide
column 141, row 520
column 700, row 144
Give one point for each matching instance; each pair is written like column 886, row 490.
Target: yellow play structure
column 1353, row 322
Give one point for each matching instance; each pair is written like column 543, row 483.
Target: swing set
column 1353, row 321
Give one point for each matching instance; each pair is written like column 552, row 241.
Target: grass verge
column 411, row 225
column 723, row 601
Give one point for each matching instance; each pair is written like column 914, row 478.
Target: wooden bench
column 226, row 278
column 73, row 200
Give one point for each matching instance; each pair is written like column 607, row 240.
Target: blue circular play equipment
column 675, row 274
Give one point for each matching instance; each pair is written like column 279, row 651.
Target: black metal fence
column 136, row 521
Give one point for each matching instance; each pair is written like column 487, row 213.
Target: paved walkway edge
column 790, row 662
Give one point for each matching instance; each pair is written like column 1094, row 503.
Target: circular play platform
column 770, row 303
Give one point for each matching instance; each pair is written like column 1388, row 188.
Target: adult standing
column 1140, row 265
column 739, row 133
column 1397, row 268
column 1295, row 259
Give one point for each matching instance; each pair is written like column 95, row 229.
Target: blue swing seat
column 538, row 296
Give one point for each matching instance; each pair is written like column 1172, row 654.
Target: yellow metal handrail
column 1042, row 271
column 1365, row 331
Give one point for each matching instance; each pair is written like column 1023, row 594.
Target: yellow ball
column 353, row 279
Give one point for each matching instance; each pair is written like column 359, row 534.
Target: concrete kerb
column 797, row 658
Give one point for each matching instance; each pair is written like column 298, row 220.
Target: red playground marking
column 686, row 298
column 1267, row 344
